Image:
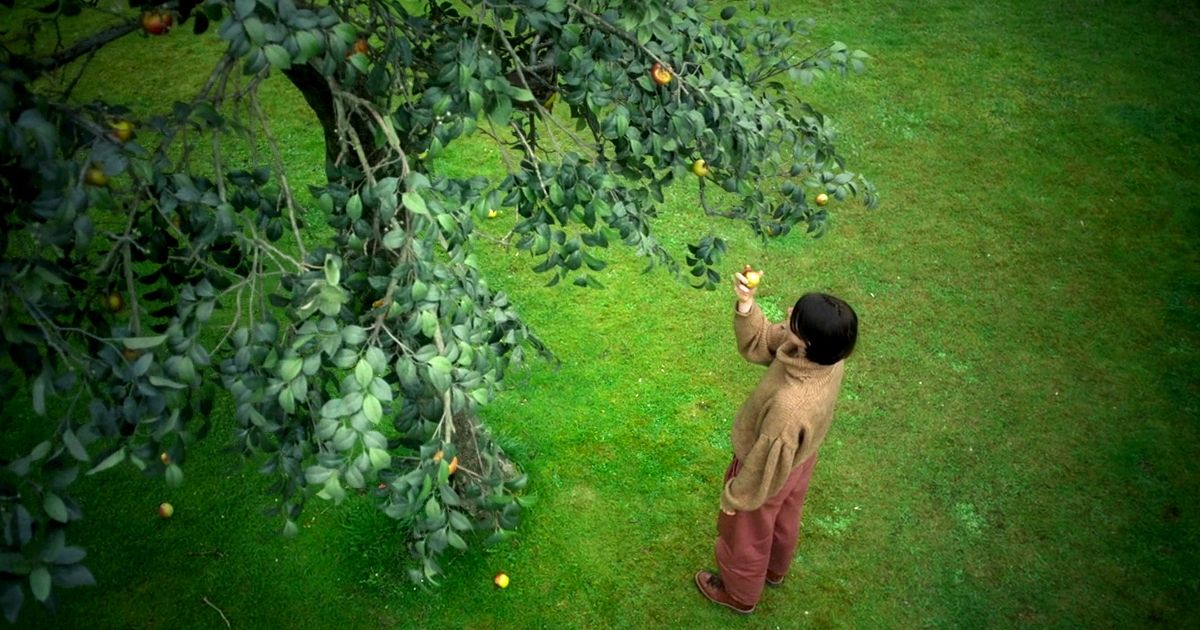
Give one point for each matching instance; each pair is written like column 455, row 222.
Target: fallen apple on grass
column 501, row 580
column 157, row 22
column 165, row 510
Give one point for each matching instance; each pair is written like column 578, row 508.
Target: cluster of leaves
column 142, row 274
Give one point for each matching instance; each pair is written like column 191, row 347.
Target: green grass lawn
column 1016, row 442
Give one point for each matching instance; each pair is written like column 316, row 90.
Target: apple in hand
column 752, row 277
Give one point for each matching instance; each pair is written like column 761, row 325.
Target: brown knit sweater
column 785, row 420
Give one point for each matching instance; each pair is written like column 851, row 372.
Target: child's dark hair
column 827, row 324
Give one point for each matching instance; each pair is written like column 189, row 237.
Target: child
column 776, row 435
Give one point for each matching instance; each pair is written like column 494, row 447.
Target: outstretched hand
column 745, row 294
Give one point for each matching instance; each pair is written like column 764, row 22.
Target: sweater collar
column 792, row 355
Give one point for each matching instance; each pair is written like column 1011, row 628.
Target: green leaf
column 393, row 239
column 333, row 269
column 372, row 409
column 440, row 364
column 309, row 44
column 174, row 475
column 74, row 446
column 502, row 112
column 431, row 508
column 380, row 458
column 354, row 335
column 72, row 576
column 346, row 31
column 290, row 530
column 344, row 438
column 334, row 408
column 380, row 389
column 317, row 474
column 39, row 451
column 377, row 360
column 55, row 507
column 39, row 583
column 363, row 373
column 521, row 94
column 429, row 324
column 166, row 382
column 69, row 555
column 244, row 8
column 255, row 30
column 278, row 56
column 333, row 490
column 290, row 368
column 143, row 343
column 455, row 540
column 415, row 203
column 459, row 521
column 11, row 599
column 354, row 207
column 419, row 290
column 115, row 458
column 287, row 400
column 39, row 394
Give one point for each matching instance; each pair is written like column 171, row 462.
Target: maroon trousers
column 751, row 543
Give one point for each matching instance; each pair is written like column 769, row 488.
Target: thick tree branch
column 86, row 47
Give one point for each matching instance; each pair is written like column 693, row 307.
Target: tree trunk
column 317, row 93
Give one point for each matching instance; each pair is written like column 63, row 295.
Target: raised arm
column 757, row 338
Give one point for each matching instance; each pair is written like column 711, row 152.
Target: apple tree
column 146, row 275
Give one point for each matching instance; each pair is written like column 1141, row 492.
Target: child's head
column 827, row 324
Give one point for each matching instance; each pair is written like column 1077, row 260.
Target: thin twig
column 612, row 30
column 447, row 423
column 708, row 210
column 283, row 181
column 219, row 611
column 132, row 288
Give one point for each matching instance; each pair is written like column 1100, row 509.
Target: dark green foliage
column 141, row 277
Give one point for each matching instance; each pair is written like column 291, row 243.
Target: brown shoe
column 713, row 588
column 774, row 579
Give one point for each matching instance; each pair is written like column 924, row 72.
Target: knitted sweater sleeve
column 757, row 338
column 763, row 473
